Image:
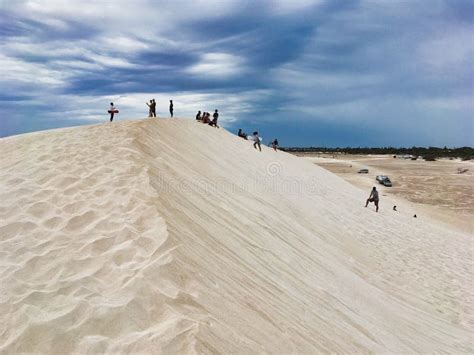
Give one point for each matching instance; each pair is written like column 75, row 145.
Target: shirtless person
column 374, row 197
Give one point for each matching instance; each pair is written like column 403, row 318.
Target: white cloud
column 304, row 79
column 110, row 61
column 138, row 17
column 123, row 44
column 448, row 50
column 447, row 104
column 14, row 72
column 217, row 65
column 281, row 7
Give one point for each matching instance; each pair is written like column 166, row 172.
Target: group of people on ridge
column 152, row 108
column 205, row 118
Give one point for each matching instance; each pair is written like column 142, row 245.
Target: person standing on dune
column 150, row 111
column 112, row 110
column 374, row 197
column 171, row 108
column 153, row 108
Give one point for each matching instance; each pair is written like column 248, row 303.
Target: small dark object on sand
column 414, row 216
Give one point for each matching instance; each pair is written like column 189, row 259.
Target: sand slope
column 171, row 236
column 434, row 189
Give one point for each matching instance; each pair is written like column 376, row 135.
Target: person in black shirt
column 153, row 108
column 275, row 144
column 242, row 134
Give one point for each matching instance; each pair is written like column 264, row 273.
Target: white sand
column 428, row 189
column 171, row 236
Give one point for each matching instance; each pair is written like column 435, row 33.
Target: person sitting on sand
column 242, row 134
column 205, row 118
column 256, row 139
column 214, row 123
column 374, row 197
column 274, row 144
column 198, row 116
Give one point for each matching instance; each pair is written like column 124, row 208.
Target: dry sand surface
column 429, row 189
column 171, row 236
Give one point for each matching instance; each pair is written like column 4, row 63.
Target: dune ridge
column 171, row 236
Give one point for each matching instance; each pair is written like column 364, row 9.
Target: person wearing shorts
column 374, row 197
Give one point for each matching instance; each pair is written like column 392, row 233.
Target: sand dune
column 171, row 236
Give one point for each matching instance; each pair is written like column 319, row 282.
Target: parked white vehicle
column 381, row 178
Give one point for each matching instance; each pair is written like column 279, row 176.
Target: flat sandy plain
column 431, row 189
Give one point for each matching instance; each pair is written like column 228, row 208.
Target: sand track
column 171, row 236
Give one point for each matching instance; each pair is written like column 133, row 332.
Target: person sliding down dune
column 374, row 197
column 274, row 144
column 256, row 140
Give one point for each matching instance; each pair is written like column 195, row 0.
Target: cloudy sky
column 332, row 73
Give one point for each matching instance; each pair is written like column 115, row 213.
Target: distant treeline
column 427, row 153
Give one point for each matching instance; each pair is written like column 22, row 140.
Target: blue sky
column 310, row 72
